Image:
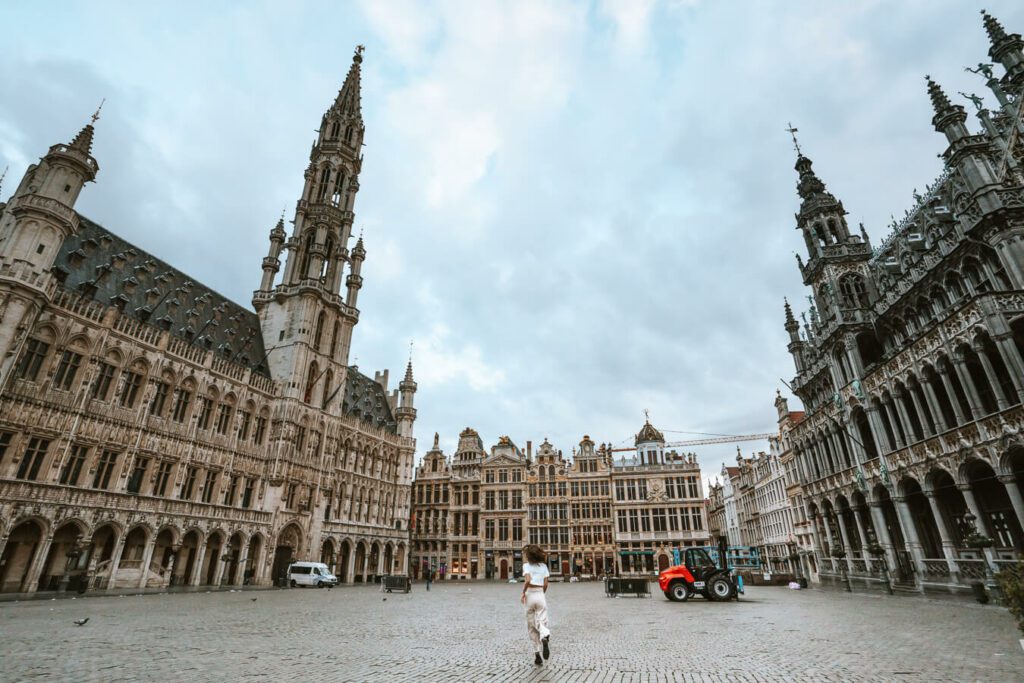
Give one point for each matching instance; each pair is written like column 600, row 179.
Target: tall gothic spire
column 348, row 100
column 83, row 141
column 940, row 102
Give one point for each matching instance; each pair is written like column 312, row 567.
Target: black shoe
column 547, row 652
column 537, row 660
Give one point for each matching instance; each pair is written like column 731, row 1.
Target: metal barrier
column 615, row 586
column 397, row 583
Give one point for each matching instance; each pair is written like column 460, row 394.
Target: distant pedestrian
column 430, row 578
column 535, row 588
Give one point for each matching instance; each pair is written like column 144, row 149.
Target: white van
column 311, row 574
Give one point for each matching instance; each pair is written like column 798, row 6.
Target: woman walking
column 535, row 588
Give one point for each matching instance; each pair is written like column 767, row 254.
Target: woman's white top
column 537, row 573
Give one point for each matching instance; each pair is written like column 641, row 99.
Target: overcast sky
column 576, row 210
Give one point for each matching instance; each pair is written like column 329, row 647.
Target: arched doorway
column 999, row 518
column 212, row 558
column 101, row 552
column 372, row 567
column 163, row 551
column 233, row 552
column 400, row 559
column 360, row 568
column 184, row 567
column 327, row 554
column 389, row 554
column 130, row 569
column 503, row 569
column 286, row 551
column 662, row 562
column 18, row 555
column 343, row 554
column 251, row 575
column 924, row 521
column 62, row 558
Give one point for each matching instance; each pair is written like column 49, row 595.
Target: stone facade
column 911, row 365
column 658, row 501
column 570, row 507
column 154, row 433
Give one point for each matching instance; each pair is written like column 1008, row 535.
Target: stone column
column 197, row 570
column 31, row 581
column 878, row 431
column 1013, row 491
column 218, row 574
column 993, row 379
column 3, row 542
column 973, row 397
column 933, row 406
column 972, row 505
column 831, row 542
column 906, row 521
column 846, row 541
column 882, row 531
column 861, row 534
column 951, row 393
column 350, row 568
column 948, row 546
column 366, row 565
column 115, row 561
column 897, row 426
column 171, row 561
column 240, row 569
column 147, row 557
column 908, row 426
column 1014, row 363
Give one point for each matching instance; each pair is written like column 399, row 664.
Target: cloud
column 577, row 210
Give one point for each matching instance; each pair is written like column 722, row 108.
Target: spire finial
column 995, row 30
column 96, row 114
column 647, row 415
column 940, row 102
column 410, row 351
column 796, row 143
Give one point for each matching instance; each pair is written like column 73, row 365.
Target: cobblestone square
column 475, row 632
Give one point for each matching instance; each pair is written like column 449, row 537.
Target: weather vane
column 410, row 350
column 96, row 114
column 360, row 48
column 796, row 144
column 647, row 415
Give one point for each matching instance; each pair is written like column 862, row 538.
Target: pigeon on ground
column 383, row 599
column 81, row 622
column 254, row 599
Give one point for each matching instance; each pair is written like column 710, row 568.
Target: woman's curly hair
column 534, row 554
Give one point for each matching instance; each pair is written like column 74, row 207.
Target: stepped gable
column 99, row 265
column 365, row 399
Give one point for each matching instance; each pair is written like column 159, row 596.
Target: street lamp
column 979, row 541
column 876, row 550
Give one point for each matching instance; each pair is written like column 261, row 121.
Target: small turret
column 1006, row 48
column 949, row 118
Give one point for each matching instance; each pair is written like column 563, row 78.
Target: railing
column 936, row 569
column 971, row 569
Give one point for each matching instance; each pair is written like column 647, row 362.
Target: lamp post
column 876, row 550
column 979, row 541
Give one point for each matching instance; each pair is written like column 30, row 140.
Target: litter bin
column 980, row 594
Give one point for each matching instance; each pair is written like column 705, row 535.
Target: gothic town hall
column 154, row 433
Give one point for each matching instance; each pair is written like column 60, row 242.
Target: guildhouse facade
column 155, row 433
column 593, row 515
column 911, row 365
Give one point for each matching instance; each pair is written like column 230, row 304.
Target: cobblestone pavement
column 476, row 632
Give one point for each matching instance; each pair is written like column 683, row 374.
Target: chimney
column 529, row 449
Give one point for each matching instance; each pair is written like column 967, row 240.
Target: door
column 504, row 569
column 662, row 562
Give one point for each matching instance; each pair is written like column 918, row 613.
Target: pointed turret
column 792, row 326
column 406, row 413
column 1007, row 49
column 949, row 118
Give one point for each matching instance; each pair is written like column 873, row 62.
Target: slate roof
column 98, row 264
column 365, row 399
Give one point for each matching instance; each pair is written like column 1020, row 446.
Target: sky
column 577, row 211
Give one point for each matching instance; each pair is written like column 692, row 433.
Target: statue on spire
column 796, row 143
column 983, row 69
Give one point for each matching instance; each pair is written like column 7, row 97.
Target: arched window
column 335, row 129
column 852, row 292
column 339, row 181
column 334, row 339
column 328, row 388
column 954, row 287
column 318, row 336
column 325, row 176
column 833, row 230
column 311, row 382
column 348, row 134
column 329, row 248
column 307, row 255
column 976, row 276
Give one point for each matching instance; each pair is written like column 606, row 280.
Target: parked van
column 311, row 574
